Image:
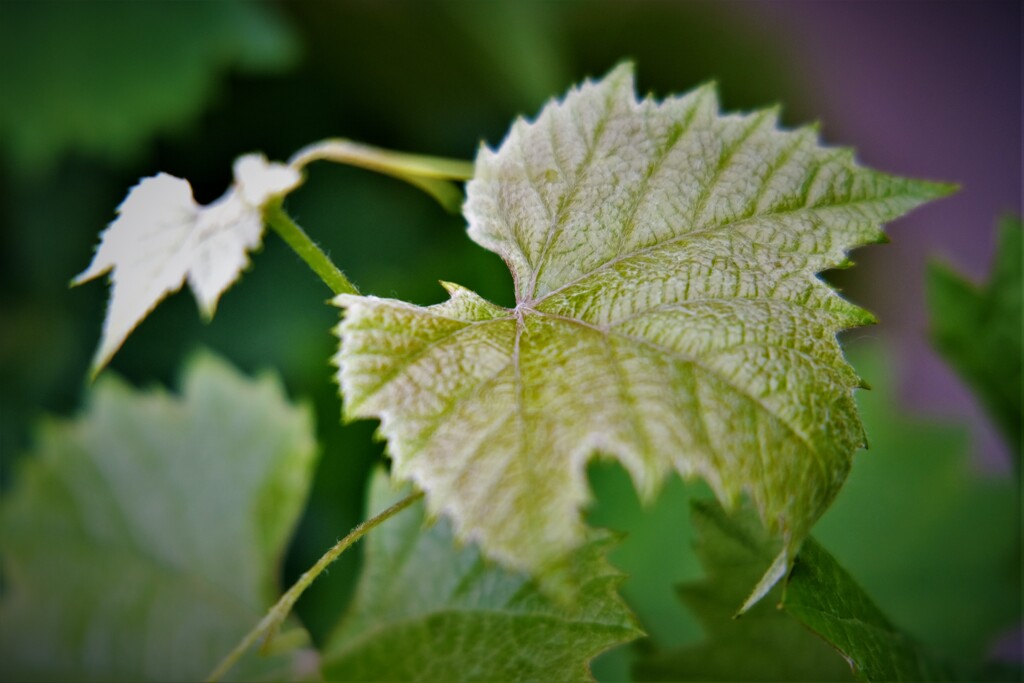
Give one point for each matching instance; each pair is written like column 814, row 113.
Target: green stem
column 307, row 249
column 270, row 623
column 398, row 164
column 433, row 175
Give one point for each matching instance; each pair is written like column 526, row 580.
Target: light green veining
column 668, row 316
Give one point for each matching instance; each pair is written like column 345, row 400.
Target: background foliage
column 95, row 99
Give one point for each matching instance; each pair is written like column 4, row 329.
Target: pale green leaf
column 427, row 609
column 668, row 315
column 143, row 539
column 162, row 238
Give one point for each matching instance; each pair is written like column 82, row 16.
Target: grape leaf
column 143, row 539
column 426, row 609
column 910, row 499
column 162, row 237
column 826, row 599
column 770, row 641
column 664, row 259
column 978, row 330
column 102, row 78
column 765, row 644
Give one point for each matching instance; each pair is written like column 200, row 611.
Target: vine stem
column 271, row 622
column 307, row 249
column 430, row 174
column 401, row 164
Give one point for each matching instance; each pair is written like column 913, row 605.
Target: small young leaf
column 428, row 610
column 669, row 315
column 978, row 330
column 144, row 537
column 162, row 237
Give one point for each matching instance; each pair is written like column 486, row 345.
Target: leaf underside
column 668, row 316
column 143, row 539
column 428, row 610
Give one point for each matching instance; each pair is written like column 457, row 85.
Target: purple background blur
column 928, row 89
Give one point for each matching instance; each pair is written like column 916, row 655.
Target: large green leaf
column 776, row 640
column 101, row 78
column 143, row 539
column 826, row 599
column 668, row 315
column 765, row 644
column 978, row 330
column 426, row 609
column 916, row 520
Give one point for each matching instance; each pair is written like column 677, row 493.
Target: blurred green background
column 97, row 95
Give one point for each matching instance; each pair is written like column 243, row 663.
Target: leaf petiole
column 271, row 622
column 276, row 217
column 430, row 174
column 382, row 160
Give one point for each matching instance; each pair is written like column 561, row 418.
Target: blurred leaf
column 978, row 330
column 826, row 599
column 102, row 78
column 653, row 568
column 428, row 610
column 143, row 539
column 520, row 43
column 933, row 541
column 765, row 644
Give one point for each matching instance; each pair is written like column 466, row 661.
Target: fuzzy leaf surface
column 426, row 609
column 143, row 538
column 669, row 316
column 978, row 330
column 162, row 238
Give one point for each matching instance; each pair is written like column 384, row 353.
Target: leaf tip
column 345, row 301
column 625, row 68
column 94, row 371
column 936, row 190
column 207, row 309
column 453, row 289
column 772, row 576
column 866, row 317
column 85, row 276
